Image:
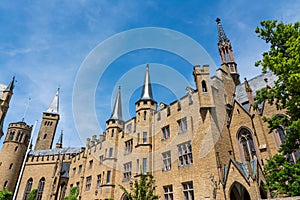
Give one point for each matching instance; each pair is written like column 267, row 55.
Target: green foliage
column 282, row 176
column 283, row 58
column 5, row 195
column 32, row 195
column 74, row 192
column 142, row 189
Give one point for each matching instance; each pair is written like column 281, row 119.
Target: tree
column 282, row 176
column 32, row 195
column 142, row 189
column 5, row 195
column 283, row 59
column 74, row 192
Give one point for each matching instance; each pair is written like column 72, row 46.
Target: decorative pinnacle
column 54, row 106
column 247, row 86
column 60, row 139
column 147, row 89
column 221, row 33
column 11, row 85
column 117, row 111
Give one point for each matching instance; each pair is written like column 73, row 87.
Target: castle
column 209, row 144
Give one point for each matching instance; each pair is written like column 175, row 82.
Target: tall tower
column 12, row 154
column 4, row 103
column 48, row 125
column 226, row 53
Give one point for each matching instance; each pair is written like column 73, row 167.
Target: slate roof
column 255, row 83
column 56, row 151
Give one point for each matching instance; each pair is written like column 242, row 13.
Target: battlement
column 90, row 142
column 21, row 125
column 201, row 69
column 48, row 156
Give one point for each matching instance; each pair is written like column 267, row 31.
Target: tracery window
column 246, row 143
column 27, row 188
column 40, row 189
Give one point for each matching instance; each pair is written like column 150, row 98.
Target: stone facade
column 209, row 144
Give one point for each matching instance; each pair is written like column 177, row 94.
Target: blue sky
column 46, row 43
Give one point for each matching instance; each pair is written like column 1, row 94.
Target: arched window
column 26, row 139
column 5, row 185
column 40, row 189
column 63, row 188
column 45, row 136
column 27, row 188
column 145, row 115
column 11, row 136
column 246, row 144
column 20, row 139
column 18, row 136
column 204, row 88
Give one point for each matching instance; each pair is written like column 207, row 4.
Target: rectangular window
column 166, row 132
column 188, row 191
column 90, row 164
column 112, row 133
column 101, row 158
column 138, row 138
column 144, row 137
column 137, row 166
column 158, row 116
column 129, row 128
column 98, row 181
column 182, row 125
column 168, row 192
column 128, row 146
column 127, row 171
column 108, row 177
column 166, row 161
column 88, row 183
column 110, row 152
column 79, row 169
column 185, row 154
column 74, row 171
column 144, row 165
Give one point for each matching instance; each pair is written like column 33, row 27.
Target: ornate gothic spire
column 221, row 33
column 54, row 106
column 147, row 89
column 11, row 86
column 226, row 54
column 117, row 111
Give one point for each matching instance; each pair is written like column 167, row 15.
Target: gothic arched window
column 27, row 188
column 40, row 189
column 204, row 88
column 11, row 135
column 63, row 188
column 246, row 144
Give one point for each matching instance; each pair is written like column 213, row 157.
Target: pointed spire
column 221, row 33
column 11, row 86
column 117, row 111
column 60, row 140
column 147, row 89
column 54, row 106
